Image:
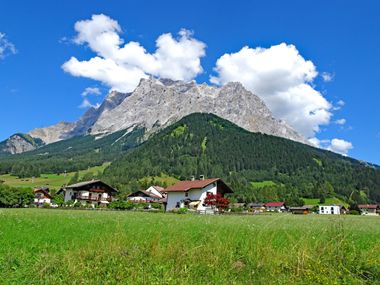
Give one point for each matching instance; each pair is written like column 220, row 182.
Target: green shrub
column 354, row 212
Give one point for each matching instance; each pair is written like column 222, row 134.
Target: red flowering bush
column 217, row 201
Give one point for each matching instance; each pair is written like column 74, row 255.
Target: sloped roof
column 183, row 186
column 146, row 193
column 159, row 188
column 367, row 206
column 86, row 183
column 44, row 190
column 274, row 204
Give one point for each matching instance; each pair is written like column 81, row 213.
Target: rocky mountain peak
column 157, row 103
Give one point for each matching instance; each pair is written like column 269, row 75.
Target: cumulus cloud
column 87, row 104
column 340, row 146
column 283, row 79
column 91, row 91
column 336, row 145
column 121, row 65
column 6, row 47
column 340, row 122
column 327, row 77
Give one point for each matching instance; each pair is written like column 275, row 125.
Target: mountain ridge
column 158, row 103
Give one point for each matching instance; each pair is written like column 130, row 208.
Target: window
column 186, row 194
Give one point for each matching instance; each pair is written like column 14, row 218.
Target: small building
column 304, row 210
column 275, row 206
column 42, row 196
column 368, row 209
column 191, row 194
column 256, row 207
column 93, row 192
column 151, row 195
column 143, row 196
column 332, row 210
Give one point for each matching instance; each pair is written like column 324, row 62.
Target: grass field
column 94, row 247
column 53, row 181
column 329, row 201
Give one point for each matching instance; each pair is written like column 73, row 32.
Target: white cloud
column 6, row 47
column 121, row 66
column 327, row 77
column 340, row 146
column 339, row 105
column 283, row 79
column 87, row 104
column 336, row 145
column 340, row 122
column 91, row 91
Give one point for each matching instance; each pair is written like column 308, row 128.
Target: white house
column 191, row 194
column 93, row 192
column 42, row 196
column 275, row 207
column 367, row 209
column 150, row 195
column 332, row 210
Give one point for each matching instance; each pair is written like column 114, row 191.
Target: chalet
column 304, row 210
column 150, row 195
column 368, row 209
column 93, row 192
column 191, row 194
column 275, row 206
column 332, row 210
column 42, row 196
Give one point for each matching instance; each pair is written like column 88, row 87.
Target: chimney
column 201, row 177
column 192, row 178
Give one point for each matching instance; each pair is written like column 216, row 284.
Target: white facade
column 177, row 199
column 275, row 209
column 329, row 210
column 42, row 200
column 84, row 196
column 154, row 191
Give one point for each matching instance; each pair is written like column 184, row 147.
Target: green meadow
column 53, row 181
column 48, row 246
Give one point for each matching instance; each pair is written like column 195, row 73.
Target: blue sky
column 340, row 38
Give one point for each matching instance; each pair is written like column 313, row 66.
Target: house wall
column 275, row 208
column 370, row 212
column 196, row 194
column 142, row 199
column 42, row 200
column 153, row 190
column 329, row 210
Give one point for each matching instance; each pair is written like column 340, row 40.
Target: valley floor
column 43, row 246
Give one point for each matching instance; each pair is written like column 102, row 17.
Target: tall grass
column 90, row 247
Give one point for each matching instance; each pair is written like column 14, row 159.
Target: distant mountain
column 156, row 104
column 19, row 143
column 204, row 144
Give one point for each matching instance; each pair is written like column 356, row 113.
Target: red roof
column 274, row 204
column 184, row 186
column 44, row 191
column 367, row 206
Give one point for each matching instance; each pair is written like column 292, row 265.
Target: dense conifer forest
column 258, row 167
column 204, row 144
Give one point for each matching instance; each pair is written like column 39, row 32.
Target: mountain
column 204, row 144
column 19, row 143
column 156, row 104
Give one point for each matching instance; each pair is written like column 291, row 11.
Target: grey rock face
column 53, row 133
column 158, row 103
column 17, row 144
column 64, row 130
